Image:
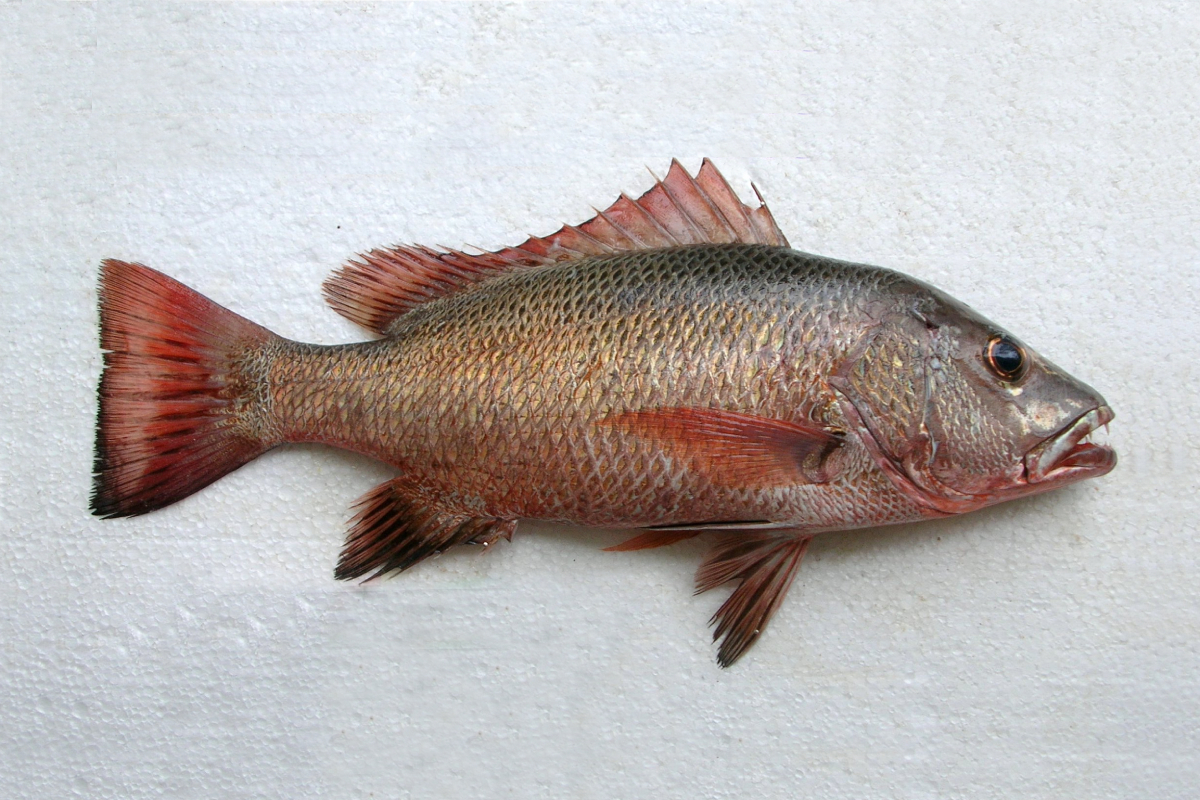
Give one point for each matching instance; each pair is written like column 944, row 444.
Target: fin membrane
column 396, row 527
column 173, row 398
column 652, row 539
column 385, row 283
column 766, row 564
column 737, row 449
column 663, row 535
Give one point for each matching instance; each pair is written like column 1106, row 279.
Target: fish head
column 961, row 414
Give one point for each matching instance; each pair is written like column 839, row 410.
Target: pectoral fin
column 737, row 449
column 765, row 563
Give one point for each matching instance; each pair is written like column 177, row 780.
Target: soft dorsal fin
column 383, row 284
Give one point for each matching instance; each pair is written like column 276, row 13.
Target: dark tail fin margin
column 176, row 398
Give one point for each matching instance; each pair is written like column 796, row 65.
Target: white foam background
column 1039, row 160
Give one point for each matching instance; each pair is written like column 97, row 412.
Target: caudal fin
column 177, row 407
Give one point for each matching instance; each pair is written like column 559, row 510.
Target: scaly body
column 510, row 426
column 670, row 365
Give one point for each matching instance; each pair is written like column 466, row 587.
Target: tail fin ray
column 174, row 394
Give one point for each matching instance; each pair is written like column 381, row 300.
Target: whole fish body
column 669, row 366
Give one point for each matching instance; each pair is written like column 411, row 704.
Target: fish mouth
column 1068, row 455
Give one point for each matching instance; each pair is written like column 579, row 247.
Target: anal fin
column 395, row 528
column 766, row 564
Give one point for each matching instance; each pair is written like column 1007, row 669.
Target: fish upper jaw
column 1067, row 456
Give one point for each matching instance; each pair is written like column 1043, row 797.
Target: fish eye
column 1006, row 358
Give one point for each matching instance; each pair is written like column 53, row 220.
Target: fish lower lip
column 1068, row 455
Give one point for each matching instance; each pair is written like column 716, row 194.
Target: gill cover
column 950, row 428
column 886, row 389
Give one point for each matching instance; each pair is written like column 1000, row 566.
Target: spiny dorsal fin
column 385, row 283
column 765, row 563
column 396, row 527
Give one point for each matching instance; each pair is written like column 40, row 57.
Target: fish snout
column 1068, row 455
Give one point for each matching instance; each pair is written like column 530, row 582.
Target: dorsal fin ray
column 383, row 284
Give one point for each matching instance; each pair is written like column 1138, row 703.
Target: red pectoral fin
column 737, row 449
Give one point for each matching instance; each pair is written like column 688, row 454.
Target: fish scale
column 671, row 366
column 521, row 354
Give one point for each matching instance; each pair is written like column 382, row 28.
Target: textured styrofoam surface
column 1038, row 160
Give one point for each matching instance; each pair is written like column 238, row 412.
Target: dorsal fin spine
column 699, row 202
column 708, row 173
column 659, row 183
column 671, row 238
column 696, row 229
column 604, row 247
column 720, row 215
column 607, row 247
column 766, row 212
column 681, row 209
column 631, row 237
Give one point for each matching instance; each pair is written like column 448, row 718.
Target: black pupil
column 1006, row 356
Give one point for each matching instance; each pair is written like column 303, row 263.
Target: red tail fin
column 176, row 397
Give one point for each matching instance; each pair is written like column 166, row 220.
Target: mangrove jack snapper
column 670, row 366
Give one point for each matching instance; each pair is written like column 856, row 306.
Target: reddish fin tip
column 397, row 526
column 167, row 424
column 382, row 285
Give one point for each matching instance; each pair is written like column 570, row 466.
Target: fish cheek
column 975, row 422
column 886, row 382
column 905, row 394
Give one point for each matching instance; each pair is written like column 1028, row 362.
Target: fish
column 671, row 367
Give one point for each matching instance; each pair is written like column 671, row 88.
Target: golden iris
column 1006, row 358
